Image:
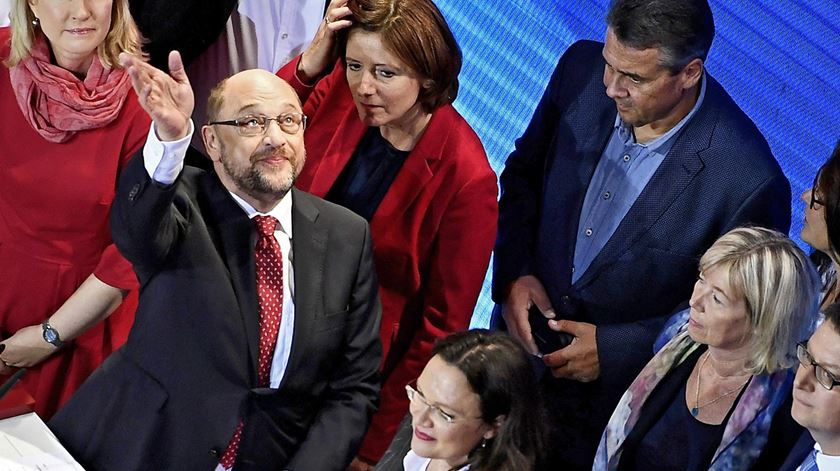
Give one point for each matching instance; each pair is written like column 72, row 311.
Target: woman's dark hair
column 827, row 187
column 499, row 371
column 417, row 33
column 682, row 29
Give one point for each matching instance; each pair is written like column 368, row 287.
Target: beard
column 257, row 182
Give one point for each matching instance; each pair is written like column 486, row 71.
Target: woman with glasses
column 821, row 228
column 384, row 140
column 717, row 394
column 473, row 407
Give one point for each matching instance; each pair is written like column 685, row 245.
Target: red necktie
column 269, row 261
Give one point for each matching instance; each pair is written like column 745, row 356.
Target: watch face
column 50, row 335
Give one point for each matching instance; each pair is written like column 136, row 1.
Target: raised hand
column 167, row 98
column 322, row 52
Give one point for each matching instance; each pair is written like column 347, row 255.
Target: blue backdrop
column 779, row 59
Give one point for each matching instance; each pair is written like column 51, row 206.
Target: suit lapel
column 235, row 234
column 336, row 153
column 309, row 242
column 416, row 171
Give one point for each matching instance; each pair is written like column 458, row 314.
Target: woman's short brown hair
column 417, row 33
column 122, row 37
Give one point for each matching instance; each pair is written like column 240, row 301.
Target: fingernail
column 552, row 323
column 550, row 314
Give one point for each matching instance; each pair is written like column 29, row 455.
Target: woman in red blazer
column 384, row 140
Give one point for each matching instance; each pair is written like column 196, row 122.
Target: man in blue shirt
column 634, row 162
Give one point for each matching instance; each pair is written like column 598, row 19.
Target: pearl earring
column 36, row 22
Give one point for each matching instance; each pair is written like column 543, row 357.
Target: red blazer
column 432, row 233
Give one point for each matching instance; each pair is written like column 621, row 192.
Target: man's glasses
column 249, row 126
column 824, row 377
column 436, row 413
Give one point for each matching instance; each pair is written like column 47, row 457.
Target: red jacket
column 432, row 233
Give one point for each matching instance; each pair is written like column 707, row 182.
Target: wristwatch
column 51, row 335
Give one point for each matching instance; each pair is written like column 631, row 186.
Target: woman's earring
column 483, row 443
column 36, row 23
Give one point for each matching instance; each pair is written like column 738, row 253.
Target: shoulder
column 582, row 59
column 327, row 213
column 732, row 126
column 451, row 139
column 730, row 140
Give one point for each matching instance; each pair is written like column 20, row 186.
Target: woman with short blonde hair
column 719, row 390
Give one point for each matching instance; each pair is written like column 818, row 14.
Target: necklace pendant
column 694, row 412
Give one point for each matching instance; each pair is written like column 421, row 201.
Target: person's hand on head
column 322, row 52
column 167, row 98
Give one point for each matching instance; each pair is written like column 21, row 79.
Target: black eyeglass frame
column 809, row 362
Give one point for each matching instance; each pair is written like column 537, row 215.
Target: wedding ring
column 326, row 20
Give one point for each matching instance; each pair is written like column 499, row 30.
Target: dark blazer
column 719, row 174
column 432, row 233
column 173, row 395
column 798, row 453
column 393, row 458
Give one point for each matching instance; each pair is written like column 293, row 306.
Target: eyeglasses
column 824, row 377
column 249, row 126
column 436, row 413
column 814, row 199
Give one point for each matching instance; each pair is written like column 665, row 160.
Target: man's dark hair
column 682, row 29
column 832, row 315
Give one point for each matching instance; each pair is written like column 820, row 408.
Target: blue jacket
column 720, row 174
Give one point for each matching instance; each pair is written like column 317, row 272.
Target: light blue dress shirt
column 623, row 171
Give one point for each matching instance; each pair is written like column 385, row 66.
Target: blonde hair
column 780, row 288
column 123, row 35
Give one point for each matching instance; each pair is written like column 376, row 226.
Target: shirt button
column 284, row 35
column 626, row 157
column 607, row 195
column 588, row 232
column 573, row 269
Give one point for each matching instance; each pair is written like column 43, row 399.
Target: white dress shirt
column 413, row 462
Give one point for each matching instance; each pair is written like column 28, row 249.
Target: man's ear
column 692, row 73
column 212, row 144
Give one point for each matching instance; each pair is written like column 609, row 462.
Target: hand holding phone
column 547, row 340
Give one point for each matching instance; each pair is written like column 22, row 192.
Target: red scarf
column 57, row 104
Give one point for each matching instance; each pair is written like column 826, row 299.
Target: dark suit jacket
column 719, row 174
column 173, row 395
column 798, row 453
column 432, row 233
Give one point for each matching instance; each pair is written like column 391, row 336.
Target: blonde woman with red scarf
column 70, row 123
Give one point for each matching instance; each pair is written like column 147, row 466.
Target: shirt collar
column 282, row 211
column 626, row 131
